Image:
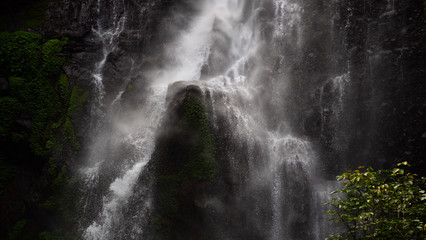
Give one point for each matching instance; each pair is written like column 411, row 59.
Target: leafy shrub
column 20, row 54
column 384, row 204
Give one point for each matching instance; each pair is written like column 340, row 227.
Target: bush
column 37, row 112
column 384, row 204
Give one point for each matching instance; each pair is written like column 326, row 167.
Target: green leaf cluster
column 383, row 204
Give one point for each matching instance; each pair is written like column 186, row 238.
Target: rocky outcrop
column 200, row 175
column 185, row 163
column 385, row 98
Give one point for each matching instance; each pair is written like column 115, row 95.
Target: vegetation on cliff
column 198, row 164
column 36, row 110
column 384, row 204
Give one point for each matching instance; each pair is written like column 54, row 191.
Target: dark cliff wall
column 358, row 84
column 386, row 98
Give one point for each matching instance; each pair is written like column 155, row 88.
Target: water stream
column 227, row 51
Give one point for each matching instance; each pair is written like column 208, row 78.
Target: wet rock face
column 140, row 41
column 185, row 165
column 385, row 96
column 356, row 83
column 196, row 190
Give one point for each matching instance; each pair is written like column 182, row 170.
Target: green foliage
column 19, row 53
column 78, row 98
column 51, row 62
column 69, row 134
column 33, row 70
column 40, row 94
column 16, row 231
column 52, row 167
column 64, row 199
column 384, row 204
column 64, row 88
column 168, row 197
column 201, row 163
column 36, row 16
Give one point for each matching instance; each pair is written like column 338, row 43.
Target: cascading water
column 225, row 51
column 108, row 29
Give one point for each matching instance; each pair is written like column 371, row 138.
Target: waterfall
column 228, row 52
column 109, row 26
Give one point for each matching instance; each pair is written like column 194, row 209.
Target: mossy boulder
column 185, row 161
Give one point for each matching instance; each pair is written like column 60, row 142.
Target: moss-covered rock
column 185, row 158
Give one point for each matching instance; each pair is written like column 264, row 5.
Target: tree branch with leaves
column 383, row 204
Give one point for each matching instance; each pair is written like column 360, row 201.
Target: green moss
column 168, row 197
column 36, row 16
column 52, row 63
column 78, row 98
column 20, row 54
column 64, row 88
column 64, row 199
column 69, row 134
column 35, row 83
column 54, row 146
column 41, row 103
column 199, row 164
column 168, row 204
column 48, row 108
column 52, row 167
column 40, row 92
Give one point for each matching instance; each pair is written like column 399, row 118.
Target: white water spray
column 219, row 33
